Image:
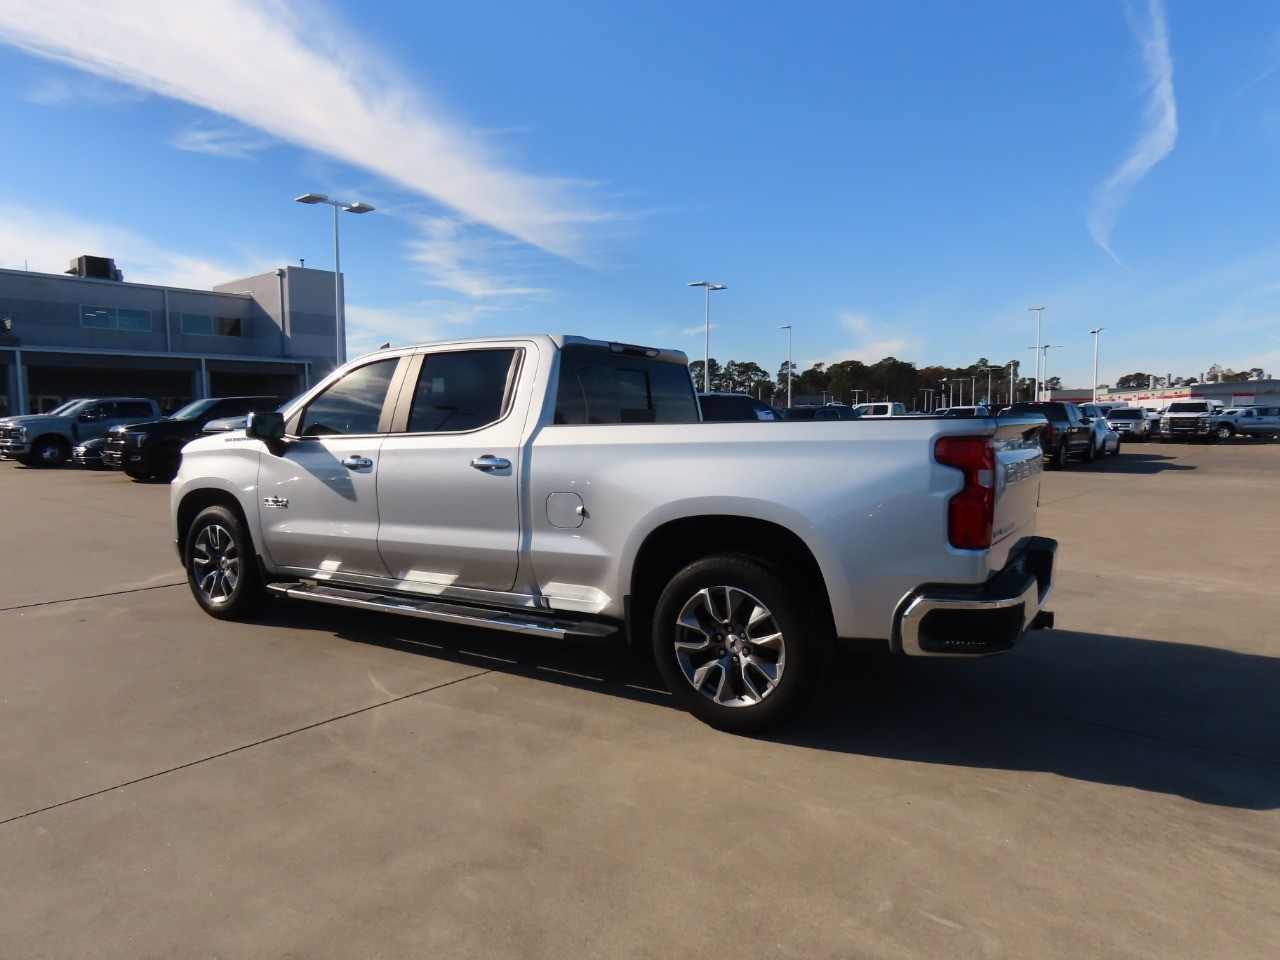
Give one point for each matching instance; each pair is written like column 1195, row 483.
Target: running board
column 528, row 623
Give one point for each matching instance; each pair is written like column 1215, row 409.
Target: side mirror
column 265, row 425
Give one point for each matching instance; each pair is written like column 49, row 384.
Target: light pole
column 1039, row 314
column 928, row 398
column 706, row 355
column 339, row 311
column 942, row 393
column 1012, row 398
column 787, row 327
column 1095, row 333
column 1044, row 350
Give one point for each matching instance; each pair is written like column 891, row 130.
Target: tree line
column 852, row 381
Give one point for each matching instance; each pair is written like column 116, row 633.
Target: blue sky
column 891, row 178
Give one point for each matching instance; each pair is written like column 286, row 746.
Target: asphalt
column 323, row 783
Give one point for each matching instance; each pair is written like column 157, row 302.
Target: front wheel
column 222, row 570
column 1116, row 451
column 1091, row 451
column 49, row 452
column 1223, row 431
column 736, row 644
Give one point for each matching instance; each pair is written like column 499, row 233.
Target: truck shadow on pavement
column 1136, row 462
column 1178, row 719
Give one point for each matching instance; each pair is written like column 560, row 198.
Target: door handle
column 490, row 462
column 357, row 463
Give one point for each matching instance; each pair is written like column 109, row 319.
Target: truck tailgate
column 1019, row 464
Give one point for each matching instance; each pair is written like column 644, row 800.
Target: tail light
column 970, row 512
column 1048, row 431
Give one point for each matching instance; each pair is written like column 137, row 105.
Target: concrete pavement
column 324, row 783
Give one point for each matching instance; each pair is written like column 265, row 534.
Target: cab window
column 352, row 405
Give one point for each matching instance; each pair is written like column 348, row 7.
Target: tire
column 222, row 570
column 1058, row 459
column 1116, row 451
column 137, row 475
column 736, row 644
column 1091, row 451
column 1223, row 431
column 166, row 462
column 50, row 451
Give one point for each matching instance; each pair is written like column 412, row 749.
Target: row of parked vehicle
column 1084, row 431
column 121, row 433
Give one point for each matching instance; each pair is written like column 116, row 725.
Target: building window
column 205, row 326
column 115, row 318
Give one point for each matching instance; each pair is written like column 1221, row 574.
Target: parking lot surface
column 325, row 783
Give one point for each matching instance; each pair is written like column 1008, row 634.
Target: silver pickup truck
column 557, row 486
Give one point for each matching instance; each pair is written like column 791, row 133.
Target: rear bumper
column 951, row 620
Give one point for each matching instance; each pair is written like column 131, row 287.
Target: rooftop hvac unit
column 99, row 268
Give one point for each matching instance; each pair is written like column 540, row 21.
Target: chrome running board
column 525, row 622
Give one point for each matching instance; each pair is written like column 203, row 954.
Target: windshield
column 1188, row 408
column 63, row 409
column 1125, row 415
column 193, row 410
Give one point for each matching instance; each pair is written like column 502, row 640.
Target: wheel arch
column 193, row 503
column 675, row 544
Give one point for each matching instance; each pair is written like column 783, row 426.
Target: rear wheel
column 222, row 570
column 1116, row 451
column 1091, row 451
column 737, row 644
column 1058, row 459
column 137, row 474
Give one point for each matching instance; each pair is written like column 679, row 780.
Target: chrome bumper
column 947, row 620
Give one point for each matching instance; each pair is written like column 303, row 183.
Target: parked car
column 882, row 409
column 813, row 411
column 1130, row 422
column 154, row 448
column 1066, row 433
column 735, row 406
column 1252, row 421
column 1105, row 439
column 555, row 486
column 978, row 411
column 46, row 439
column 89, row 454
column 1193, row 420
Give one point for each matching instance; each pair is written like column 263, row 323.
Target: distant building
column 93, row 334
column 1232, row 393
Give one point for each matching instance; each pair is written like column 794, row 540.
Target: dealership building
column 89, row 333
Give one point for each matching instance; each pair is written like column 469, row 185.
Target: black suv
column 154, row 449
column 1067, row 435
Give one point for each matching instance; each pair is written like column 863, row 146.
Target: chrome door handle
column 490, row 462
column 357, row 463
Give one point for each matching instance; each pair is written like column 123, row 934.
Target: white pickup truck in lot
column 559, row 486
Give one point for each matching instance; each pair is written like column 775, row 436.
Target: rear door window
column 463, row 390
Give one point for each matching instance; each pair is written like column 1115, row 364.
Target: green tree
column 1133, row 381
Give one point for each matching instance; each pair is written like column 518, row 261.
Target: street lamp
column 787, row 327
column 706, row 355
column 1012, row 398
column 1044, row 352
column 942, row 394
column 1039, row 314
column 339, row 311
column 1095, row 361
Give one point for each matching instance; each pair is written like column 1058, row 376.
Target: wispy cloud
column 450, row 254
column 247, row 60
column 46, row 240
column 60, row 91
column 370, row 327
column 1160, row 123
column 873, row 341
column 221, row 140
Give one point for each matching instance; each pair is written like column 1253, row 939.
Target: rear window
column 1048, row 410
column 599, row 386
